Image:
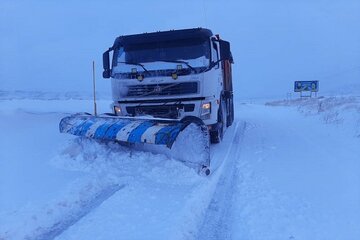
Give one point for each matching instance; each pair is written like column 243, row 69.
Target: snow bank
column 41, row 95
column 343, row 111
column 48, row 107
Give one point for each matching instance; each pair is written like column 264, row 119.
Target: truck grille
column 161, row 111
column 168, row 89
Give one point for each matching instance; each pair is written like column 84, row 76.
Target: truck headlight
column 117, row 110
column 205, row 109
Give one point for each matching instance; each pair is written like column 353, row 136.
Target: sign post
column 306, row 86
column 94, row 88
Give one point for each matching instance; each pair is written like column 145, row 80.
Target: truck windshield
column 191, row 54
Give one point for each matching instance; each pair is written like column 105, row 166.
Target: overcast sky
column 49, row 45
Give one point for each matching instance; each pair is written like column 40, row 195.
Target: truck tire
column 217, row 135
column 224, row 119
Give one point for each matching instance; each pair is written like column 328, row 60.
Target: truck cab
column 178, row 74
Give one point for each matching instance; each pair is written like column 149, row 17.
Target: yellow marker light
column 174, row 76
column 134, row 70
column 206, row 105
column 140, row 77
column 205, row 110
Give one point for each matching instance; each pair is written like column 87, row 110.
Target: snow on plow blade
column 137, row 130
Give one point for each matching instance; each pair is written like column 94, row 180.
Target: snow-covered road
column 294, row 178
column 282, row 175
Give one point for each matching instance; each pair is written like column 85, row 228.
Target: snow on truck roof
column 160, row 36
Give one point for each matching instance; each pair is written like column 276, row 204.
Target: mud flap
column 149, row 131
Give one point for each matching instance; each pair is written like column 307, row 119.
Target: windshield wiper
column 137, row 64
column 179, row 61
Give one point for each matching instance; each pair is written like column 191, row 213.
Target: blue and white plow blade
column 143, row 130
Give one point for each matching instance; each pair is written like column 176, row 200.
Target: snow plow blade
column 137, row 130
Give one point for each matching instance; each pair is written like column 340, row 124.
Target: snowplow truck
column 162, row 83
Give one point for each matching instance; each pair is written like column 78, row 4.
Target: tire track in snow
column 61, row 226
column 216, row 224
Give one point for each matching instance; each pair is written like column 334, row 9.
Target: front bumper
column 168, row 108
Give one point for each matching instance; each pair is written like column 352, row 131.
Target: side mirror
column 225, row 53
column 106, row 64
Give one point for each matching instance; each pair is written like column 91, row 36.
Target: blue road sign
column 306, row 86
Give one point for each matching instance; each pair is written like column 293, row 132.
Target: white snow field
column 286, row 170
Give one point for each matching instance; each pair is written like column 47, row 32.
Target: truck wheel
column 224, row 119
column 217, row 136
